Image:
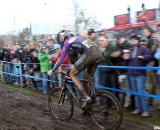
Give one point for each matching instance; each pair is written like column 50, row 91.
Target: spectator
column 109, row 77
column 40, row 44
column 7, row 64
column 12, row 56
column 140, row 55
column 44, row 66
column 152, row 77
column 33, row 67
column 16, row 45
column 50, row 44
column 151, row 43
column 22, row 55
column 16, row 71
column 36, row 70
column 2, row 53
column 157, row 56
column 123, row 46
column 102, row 32
column 54, row 58
column 32, row 47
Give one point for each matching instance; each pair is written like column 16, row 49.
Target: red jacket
column 65, row 61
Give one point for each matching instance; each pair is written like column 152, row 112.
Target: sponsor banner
column 150, row 15
column 121, row 19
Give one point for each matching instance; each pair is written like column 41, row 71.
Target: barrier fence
column 98, row 86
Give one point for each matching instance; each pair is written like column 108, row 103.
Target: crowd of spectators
column 37, row 58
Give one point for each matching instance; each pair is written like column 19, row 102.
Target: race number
column 72, row 39
column 88, row 44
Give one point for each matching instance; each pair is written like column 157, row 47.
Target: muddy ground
column 21, row 111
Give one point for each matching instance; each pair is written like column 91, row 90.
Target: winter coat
column 34, row 64
column 135, row 61
column 6, row 55
column 57, row 55
column 44, row 62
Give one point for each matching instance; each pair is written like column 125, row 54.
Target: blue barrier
column 128, row 92
column 130, row 67
column 103, row 87
column 98, row 87
column 28, row 76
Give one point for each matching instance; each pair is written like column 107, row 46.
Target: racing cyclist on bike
column 90, row 55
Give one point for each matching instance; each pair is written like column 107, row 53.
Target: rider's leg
column 73, row 73
column 76, row 81
column 88, row 76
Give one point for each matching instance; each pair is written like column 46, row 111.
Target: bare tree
column 83, row 18
column 23, row 37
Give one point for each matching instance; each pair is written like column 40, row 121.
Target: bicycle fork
column 62, row 97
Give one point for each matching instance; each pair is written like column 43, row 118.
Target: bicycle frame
column 67, row 78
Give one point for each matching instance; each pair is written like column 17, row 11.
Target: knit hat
column 57, row 46
column 90, row 31
column 135, row 37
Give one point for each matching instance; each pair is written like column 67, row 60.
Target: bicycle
column 104, row 110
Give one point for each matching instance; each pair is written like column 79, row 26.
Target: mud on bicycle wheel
column 106, row 111
column 60, row 103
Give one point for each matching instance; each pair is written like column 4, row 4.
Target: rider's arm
column 64, row 53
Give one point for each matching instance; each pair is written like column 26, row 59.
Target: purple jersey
column 78, row 44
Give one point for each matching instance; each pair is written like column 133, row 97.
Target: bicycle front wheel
column 106, row 111
column 60, row 104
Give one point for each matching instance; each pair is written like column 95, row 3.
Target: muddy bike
column 104, row 110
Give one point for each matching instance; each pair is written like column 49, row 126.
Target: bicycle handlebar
column 65, row 72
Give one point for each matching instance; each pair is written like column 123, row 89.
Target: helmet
column 57, row 46
column 64, row 35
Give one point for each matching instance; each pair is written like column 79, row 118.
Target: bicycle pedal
column 85, row 113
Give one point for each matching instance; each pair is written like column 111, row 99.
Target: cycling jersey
column 79, row 45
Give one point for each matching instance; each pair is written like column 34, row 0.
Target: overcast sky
column 23, row 12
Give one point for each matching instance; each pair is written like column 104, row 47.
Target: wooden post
column 21, row 74
column 2, row 69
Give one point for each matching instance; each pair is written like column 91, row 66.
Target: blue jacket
column 135, row 61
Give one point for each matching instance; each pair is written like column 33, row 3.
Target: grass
column 151, row 121
column 154, row 120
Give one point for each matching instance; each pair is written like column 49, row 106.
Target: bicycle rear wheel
column 106, row 111
column 60, row 104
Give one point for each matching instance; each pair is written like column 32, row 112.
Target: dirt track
column 20, row 111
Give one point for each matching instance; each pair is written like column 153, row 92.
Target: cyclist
column 90, row 56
